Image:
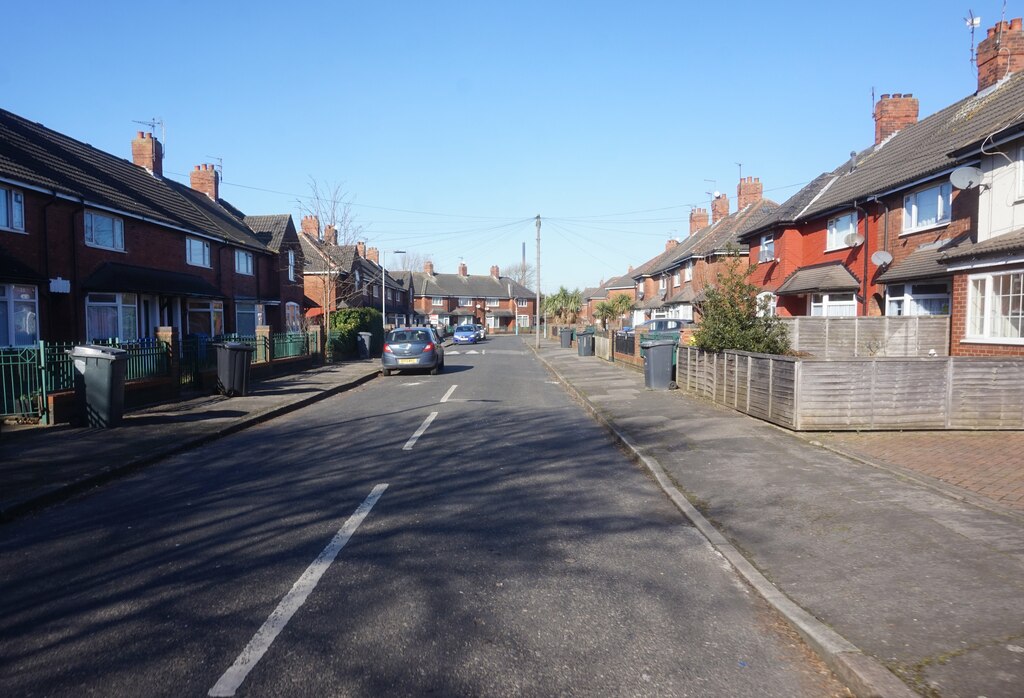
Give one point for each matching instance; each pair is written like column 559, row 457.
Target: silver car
column 412, row 348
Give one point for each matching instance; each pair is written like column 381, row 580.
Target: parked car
column 661, row 325
column 465, row 334
column 412, row 348
column 481, row 332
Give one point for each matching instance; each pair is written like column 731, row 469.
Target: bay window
column 833, row 305
column 995, row 306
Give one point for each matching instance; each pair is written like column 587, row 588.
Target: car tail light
column 429, row 347
column 387, row 348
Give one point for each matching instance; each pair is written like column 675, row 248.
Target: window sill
column 992, row 340
column 201, row 266
column 837, row 249
column 94, row 246
column 915, row 231
column 5, row 229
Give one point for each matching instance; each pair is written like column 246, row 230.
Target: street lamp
column 384, row 291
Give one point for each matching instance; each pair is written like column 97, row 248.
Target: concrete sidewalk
column 876, row 570
column 43, row 465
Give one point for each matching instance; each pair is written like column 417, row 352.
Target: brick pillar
column 264, row 350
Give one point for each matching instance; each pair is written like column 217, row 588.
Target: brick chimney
column 495, row 271
column 893, row 113
column 698, row 219
column 670, row 243
column 1000, row 53
column 428, row 267
column 748, row 191
column 719, row 208
column 463, row 270
column 311, row 227
column 204, row 178
column 373, row 254
column 147, row 152
column 361, row 249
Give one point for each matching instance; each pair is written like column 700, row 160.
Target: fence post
column 264, row 350
column 314, row 341
column 949, row 392
column 44, row 405
column 171, row 339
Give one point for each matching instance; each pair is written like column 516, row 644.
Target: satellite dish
column 853, row 240
column 966, row 177
column 881, row 258
column 717, row 194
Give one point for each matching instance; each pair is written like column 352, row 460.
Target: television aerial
column 966, row 177
column 881, row 258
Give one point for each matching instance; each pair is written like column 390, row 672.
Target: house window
column 767, row 303
column 767, row 253
column 493, row 302
column 685, row 312
column 663, row 283
column 436, row 300
column 112, row 316
column 12, row 209
column 104, row 231
column 927, row 208
column 522, row 303
column 376, row 291
column 929, row 298
column 292, row 317
column 243, row 262
column 465, row 302
column 688, row 271
column 523, row 320
column 995, row 306
column 833, row 305
column 839, row 229
column 245, row 318
column 291, row 265
column 19, row 311
column 677, row 278
column 206, row 318
column 197, row 252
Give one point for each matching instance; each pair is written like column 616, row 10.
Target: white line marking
column 449, row 393
column 452, row 351
column 292, row 601
column 419, row 432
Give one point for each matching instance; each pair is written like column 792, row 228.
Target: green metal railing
column 290, row 344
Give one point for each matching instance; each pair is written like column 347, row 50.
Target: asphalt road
column 471, row 533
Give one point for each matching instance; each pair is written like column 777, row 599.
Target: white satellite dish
column 966, row 177
column 881, row 258
column 853, row 240
column 717, row 194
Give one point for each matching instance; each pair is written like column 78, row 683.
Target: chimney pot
column 148, row 153
column 206, row 180
column 893, row 114
column 1000, row 53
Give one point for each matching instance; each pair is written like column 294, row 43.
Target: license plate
column 407, row 361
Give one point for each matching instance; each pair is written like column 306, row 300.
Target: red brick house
column 93, row 246
column 495, row 301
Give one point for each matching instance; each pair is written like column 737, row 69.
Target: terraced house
column 495, row 301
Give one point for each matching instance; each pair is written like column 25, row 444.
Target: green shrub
column 347, row 323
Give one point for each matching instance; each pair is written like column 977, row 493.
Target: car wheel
column 434, row 370
column 386, row 371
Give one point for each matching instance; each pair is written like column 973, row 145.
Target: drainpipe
column 46, row 259
column 864, row 251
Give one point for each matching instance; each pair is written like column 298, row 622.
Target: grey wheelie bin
column 233, row 362
column 565, row 335
column 659, row 364
column 363, row 342
column 585, row 344
column 99, row 384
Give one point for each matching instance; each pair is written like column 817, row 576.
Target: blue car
column 465, row 334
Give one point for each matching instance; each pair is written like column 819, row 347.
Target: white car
column 481, row 332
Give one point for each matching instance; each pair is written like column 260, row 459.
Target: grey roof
column 821, row 278
column 271, row 230
column 469, row 286
column 1010, row 242
column 790, row 209
column 37, row 156
column 922, row 263
column 923, row 149
column 685, row 295
column 315, row 256
column 619, row 283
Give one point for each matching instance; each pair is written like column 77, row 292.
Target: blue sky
column 452, row 124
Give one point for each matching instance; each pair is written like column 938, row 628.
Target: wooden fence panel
column 986, row 394
column 866, row 337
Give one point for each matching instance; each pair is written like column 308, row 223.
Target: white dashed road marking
column 292, row 601
column 419, row 432
column 449, row 393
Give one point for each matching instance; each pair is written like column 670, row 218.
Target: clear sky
column 452, row 124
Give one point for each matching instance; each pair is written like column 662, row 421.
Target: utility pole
column 537, row 338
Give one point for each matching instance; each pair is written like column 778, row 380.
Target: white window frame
column 1020, row 173
column 116, row 231
column 685, row 312
column 126, row 310
column 688, row 271
column 911, row 303
column 12, row 210
column 825, row 303
column 244, row 262
column 493, row 302
column 19, row 314
column 465, row 302
column 524, row 320
column 197, row 252
column 983, row 304
column 766, row 250
column 835, row 236
column 436, row 301
column 522, row 303
column 767, row 301
column 943, row 194
column 663, row 282
column 292, row 317
column 291, row 265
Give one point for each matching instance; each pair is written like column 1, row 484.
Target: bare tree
column 337, row 229
column 521, row 272
column 411, row 261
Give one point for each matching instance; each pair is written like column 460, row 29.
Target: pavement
column 893, row 554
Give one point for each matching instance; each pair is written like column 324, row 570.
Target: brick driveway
column 989, row 463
